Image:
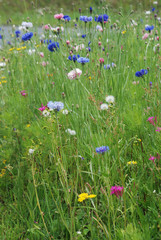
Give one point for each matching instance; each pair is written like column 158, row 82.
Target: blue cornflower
column 17, row 33
column 47, row 41
column 89, row 43
column 149, row 28
column 67, row 18
column 102, row 149
column 153, row 9
column 1, row 36
column 101, row 18
column 85, row 19
column 52, row 46
column 27, row 36
column 83, row 35
column 141, row 73
column 55, row 105
column 108, row 66
column 82, row 60
column 74, row 58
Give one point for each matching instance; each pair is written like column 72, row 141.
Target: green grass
column 39, row 191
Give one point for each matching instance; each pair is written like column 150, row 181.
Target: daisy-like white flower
column 65, row 112
column 27, row 24
column 110, row 99
column 104, row 106
column 46, row 113
column 71, row 132
column 31, row 151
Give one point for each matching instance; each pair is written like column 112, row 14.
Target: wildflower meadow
column 81, row 126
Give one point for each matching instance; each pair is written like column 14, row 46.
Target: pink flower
column 99, row 43
column 46, row 27
column 23, row 93
column 151, row 121
column 122, row 47
column 117, row 190
column 42, row 108
column 145, row 36
column 41, row 54
column 152, row 158
column 44, row 63
column 101, row 60
column 74, row 73
column 67, row 42
column 58, row 16
column 158, row 129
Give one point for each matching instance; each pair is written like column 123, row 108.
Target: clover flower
column 84, row 196
column 52, row 46
column 74, row 73
column 117, row 190
column 83, row 60
column 27, row 36
column 141, row 73
column 55, row 105
column 102, row 149
column 101, row 18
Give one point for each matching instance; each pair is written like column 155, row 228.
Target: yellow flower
column 28, row 125
column 11, row 49
column 18, row 49
column 3, row 77
column 89, row 78
column 23, row 47
column 4, row 81
column 123, row 32
column 132, row 163
column 84, row 196
column 4, row 161
column 0, row 83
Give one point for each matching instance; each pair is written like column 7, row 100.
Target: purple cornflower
column 102, row 149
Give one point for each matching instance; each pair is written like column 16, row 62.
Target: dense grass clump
column 81, row 128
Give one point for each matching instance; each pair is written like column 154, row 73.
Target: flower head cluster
column 74, row 73
column 101, row 18
column 84, row 196
column 85, row 19
column 83, row 60
column 17, row 32
column 74, row 58
column 58, row 16
column 52, row 46
column 141, row 73
column 117, row 190
column 67, row 18
column 71, row 132
column 27, row 36
column 102, row 149
column 55, row 105
column 132, row 163
column 149, row 28
column 108, row 66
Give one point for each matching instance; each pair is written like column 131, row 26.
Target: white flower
column 104, row 106
column 155, row 3
column 147, row 12
column 27, row 24
column 31, row 151
column 65, row 112
column 79, row 232
column 46, row 113
column 107, row 40
column 74, row 73
column 31, row 51
column 110, row 99
column 2, row 64
column 154, row 191
column 71, row 132
column 79, row 47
